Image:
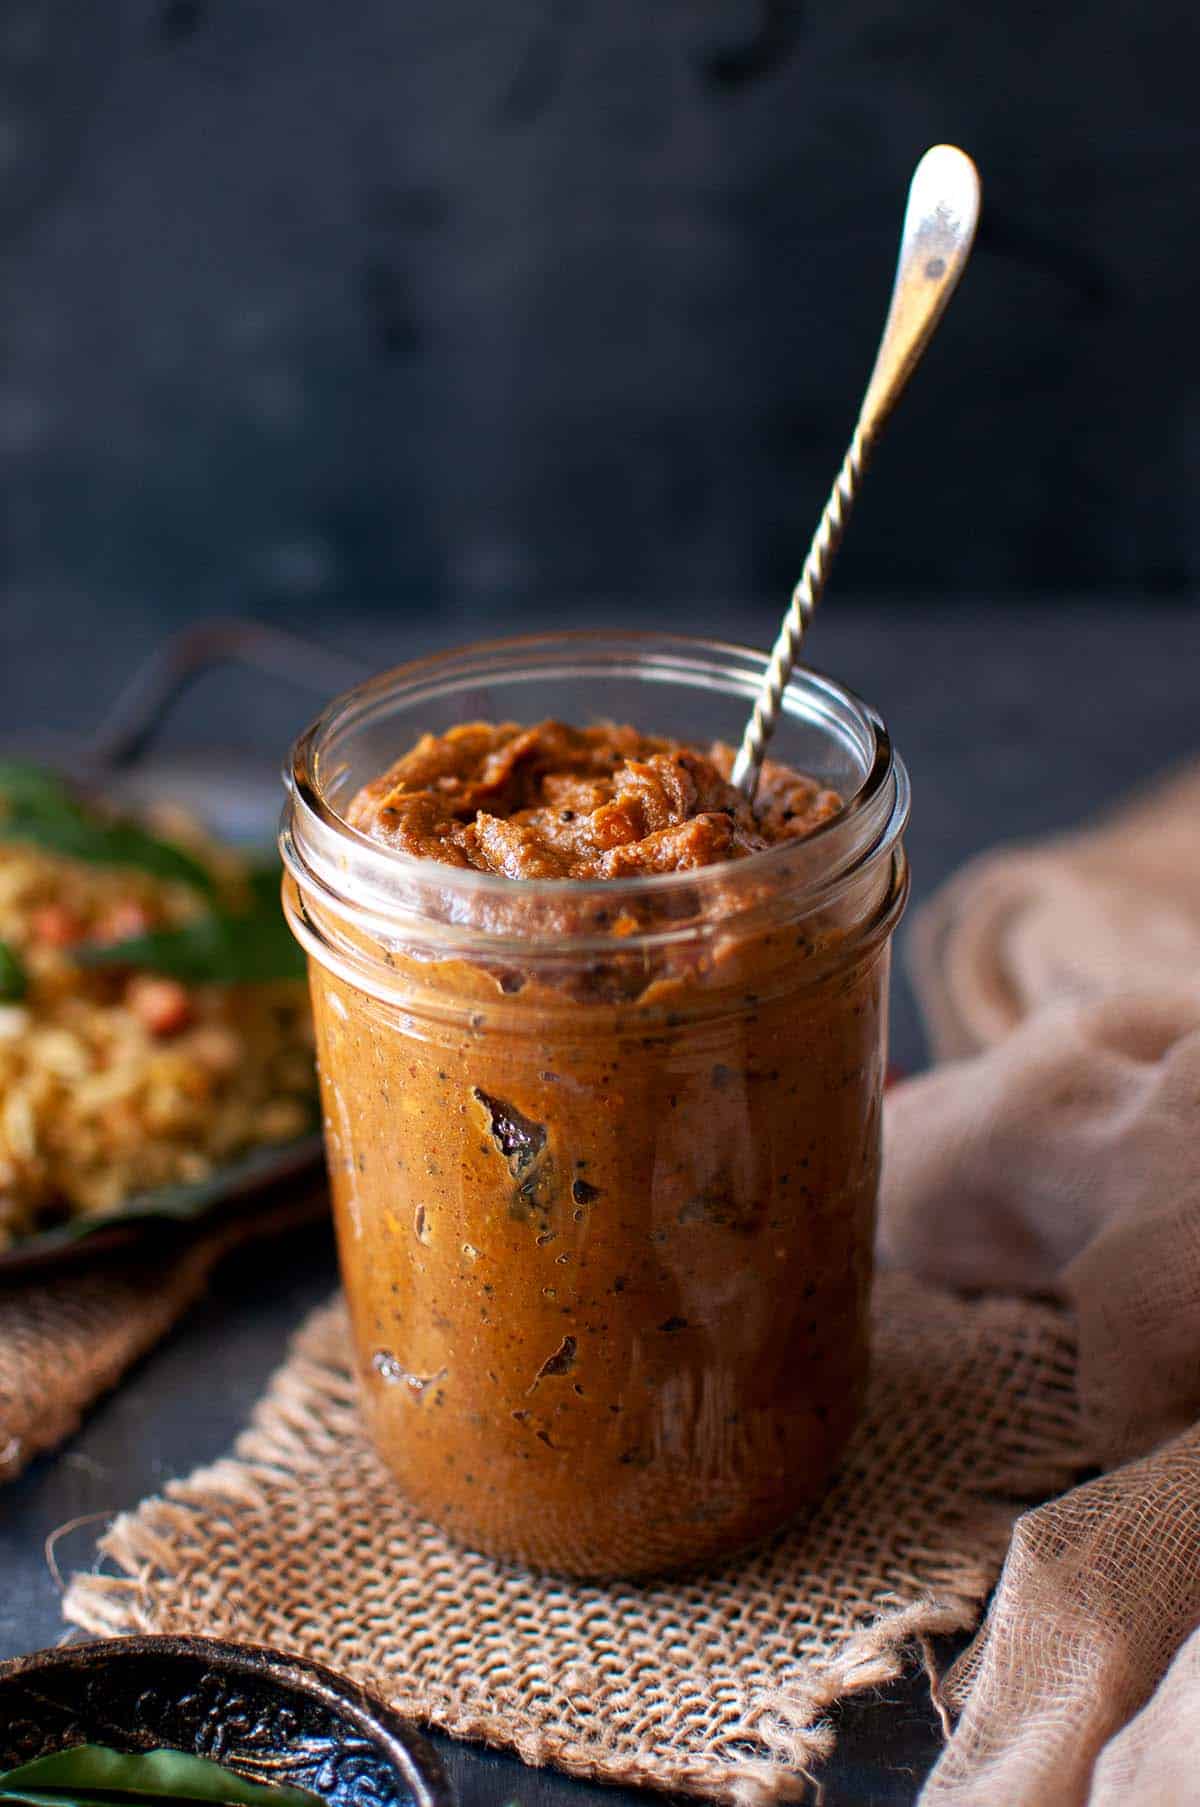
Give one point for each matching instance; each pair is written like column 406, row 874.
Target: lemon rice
column 116, row 1079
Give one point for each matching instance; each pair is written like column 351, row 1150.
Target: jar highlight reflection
column 604, row 1156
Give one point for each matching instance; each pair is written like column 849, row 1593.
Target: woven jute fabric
column 66, row 1341
column 67, row 1336
column 716, row 1684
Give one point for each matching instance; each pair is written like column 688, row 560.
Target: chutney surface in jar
column 606, row 1230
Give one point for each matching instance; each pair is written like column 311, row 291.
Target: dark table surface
column 1014, row 720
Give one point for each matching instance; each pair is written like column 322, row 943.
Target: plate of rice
column 156, row 1058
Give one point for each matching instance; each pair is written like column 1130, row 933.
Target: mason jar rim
column 318, row 844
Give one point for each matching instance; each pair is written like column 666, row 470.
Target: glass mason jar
column 604, row 1155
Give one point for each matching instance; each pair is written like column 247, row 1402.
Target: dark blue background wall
column 484, row 299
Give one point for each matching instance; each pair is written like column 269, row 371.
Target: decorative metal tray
column 268, row 1716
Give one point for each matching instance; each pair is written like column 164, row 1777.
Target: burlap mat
column 715, row 1684
column 67, row 1338
column 66, row 1341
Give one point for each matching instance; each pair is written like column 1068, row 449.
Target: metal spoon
column 939, row 226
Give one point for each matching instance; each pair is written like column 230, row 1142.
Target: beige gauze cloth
column 1057, row 1152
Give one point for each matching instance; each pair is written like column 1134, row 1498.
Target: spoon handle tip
column 935, row 243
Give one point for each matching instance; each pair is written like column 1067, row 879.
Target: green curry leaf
column 222, row 947
column 41, row 810
column 81, row 836
column 32, row 786
column 90, row 1775
column 14, row 981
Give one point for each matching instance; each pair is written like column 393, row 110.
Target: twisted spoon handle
column 939, row 227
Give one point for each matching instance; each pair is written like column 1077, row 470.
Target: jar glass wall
column 604, row 1155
